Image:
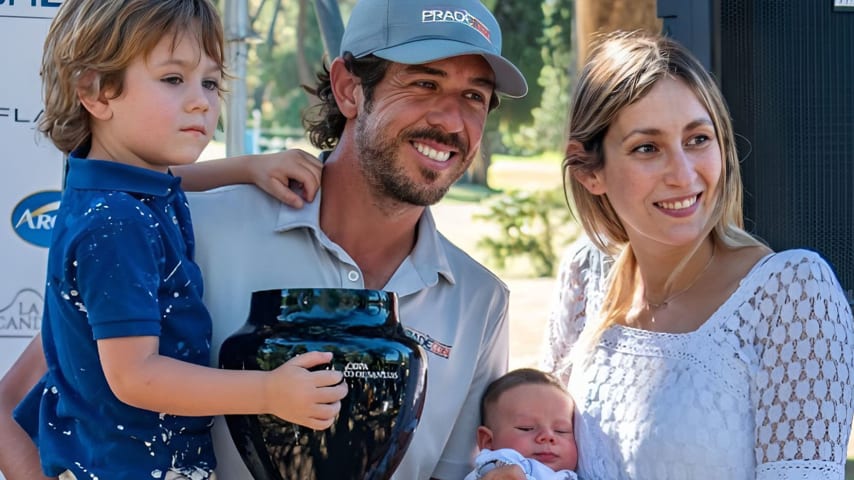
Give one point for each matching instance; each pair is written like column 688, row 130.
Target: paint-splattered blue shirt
column 120, row 264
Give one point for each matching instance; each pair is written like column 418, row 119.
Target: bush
column 532, row 225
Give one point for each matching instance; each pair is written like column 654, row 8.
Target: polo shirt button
column 353, row 275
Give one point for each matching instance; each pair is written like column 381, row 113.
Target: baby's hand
column 291, row 176
column 304, row 397
column 505, row 472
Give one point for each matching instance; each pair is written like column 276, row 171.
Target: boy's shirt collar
column 88, row 174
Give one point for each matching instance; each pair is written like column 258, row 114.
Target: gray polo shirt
column 248, row 241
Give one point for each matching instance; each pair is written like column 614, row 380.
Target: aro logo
column 34, row 216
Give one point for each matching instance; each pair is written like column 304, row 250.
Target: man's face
column 423, row 127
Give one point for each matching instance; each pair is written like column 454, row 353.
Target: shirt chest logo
column 429, row 343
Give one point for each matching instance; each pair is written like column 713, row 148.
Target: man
column 404, row 107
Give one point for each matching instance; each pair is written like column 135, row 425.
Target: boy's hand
column 304, row 397
column 291, row 176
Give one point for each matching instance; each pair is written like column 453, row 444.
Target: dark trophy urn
column 385, row 370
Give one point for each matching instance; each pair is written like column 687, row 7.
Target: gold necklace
column 666, row 301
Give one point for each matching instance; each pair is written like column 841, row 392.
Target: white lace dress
column 762, row 390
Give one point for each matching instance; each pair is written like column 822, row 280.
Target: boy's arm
column 291, row 176
column 19, row 458
column 140, row 377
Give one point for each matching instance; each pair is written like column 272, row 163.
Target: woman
column 697, row 352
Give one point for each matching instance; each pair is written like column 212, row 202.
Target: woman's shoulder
column 797, row 255
column 794, row 264
column 801, row 279
column 583, row 255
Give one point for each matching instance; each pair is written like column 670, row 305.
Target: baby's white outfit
column 534, row 470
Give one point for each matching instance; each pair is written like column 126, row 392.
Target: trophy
column 385, row 370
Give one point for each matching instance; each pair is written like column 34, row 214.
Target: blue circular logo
column 34, row 216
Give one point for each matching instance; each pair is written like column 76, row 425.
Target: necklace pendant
column 656, row 306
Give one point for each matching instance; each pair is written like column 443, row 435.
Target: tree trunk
column 259, row 94
column 601, row 16
column 479, row 168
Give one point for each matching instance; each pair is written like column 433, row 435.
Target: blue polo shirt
column 120, row 264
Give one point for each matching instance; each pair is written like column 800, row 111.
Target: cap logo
column 457, row 16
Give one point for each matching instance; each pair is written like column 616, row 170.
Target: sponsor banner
column 32, row 175
column 33, row 217
column 21, row 317
column 37, row 9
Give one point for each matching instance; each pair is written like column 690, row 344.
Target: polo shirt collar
column 87, row 174
column 427, row 261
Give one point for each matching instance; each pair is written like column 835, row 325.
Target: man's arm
column 19, row 458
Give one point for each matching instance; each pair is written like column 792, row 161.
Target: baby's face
column 536, row 421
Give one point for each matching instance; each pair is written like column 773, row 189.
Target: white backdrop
column 31, row 175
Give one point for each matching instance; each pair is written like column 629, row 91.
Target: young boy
column 132, row 88
column 527, row 421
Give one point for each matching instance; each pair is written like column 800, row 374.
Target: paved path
column 530, row 298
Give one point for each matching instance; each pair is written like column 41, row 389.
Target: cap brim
column 508, row 79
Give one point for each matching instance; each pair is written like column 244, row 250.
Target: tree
column 597, row 16
column 520, row 45
column 550, row 118
column 287, row 57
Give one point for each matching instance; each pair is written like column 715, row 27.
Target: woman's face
column 662, row 167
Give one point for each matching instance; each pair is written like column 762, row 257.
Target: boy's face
column 167, row 112
column 536, row 421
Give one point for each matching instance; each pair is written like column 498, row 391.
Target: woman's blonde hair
column 622, row 68
column 91, row 43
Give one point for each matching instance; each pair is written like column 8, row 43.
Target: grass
column 512, row 173
column 468, row 193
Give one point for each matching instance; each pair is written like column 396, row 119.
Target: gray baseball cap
column 422, row 31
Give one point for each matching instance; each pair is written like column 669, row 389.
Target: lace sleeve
column 803, row 389
column 580, row 275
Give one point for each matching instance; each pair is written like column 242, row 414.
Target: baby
column 526, row 420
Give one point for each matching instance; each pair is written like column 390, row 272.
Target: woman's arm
column 19, row 458
column 580, row 265
column 804, row 343
column 291, row 176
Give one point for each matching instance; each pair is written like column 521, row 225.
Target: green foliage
column 550, row 118
column 543, row 126
column 273, row 68
column 531, row 225
column 522, row 28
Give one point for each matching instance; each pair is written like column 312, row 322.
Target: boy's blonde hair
column 91, row 43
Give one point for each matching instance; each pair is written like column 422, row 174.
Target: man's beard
column 379, row 164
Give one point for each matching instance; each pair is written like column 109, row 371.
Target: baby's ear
column 91, row 97
column 484, row 438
